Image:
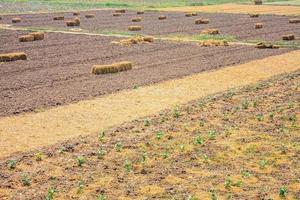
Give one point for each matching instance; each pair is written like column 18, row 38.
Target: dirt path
column 234, row 8
column 31, row 131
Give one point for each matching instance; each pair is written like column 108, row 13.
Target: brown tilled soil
column 238, row 25
column 237, row 145
column 58, row 69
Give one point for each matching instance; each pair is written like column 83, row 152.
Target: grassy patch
column 201, row 37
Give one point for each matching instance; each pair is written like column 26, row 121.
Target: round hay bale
column 26, row 38
column 59, row 18
column 202, row 21
column 294, row 20
column 120, row 11
column 162, row 17
column 140, row 12
column 89, row 16
column 77, row 21
column 136, row 19
column 253, row 15
column 116, row 14
column 134, row 28
column 258, row 2
column 16, row 20
column 259, row 25
column 70, row 23
column 148, row 39
column 76, row 13
column 37, row 35
column 210, row 31
column 0, row 18
column 9, row 57
column 194, row 14
column 288, row 37
column 188, row 14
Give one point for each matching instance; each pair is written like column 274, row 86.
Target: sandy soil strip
column 234, row 8
column 30, row 131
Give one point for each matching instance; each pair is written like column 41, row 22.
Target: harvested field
column 237, row 25
column 55, row 73
column 236, row 144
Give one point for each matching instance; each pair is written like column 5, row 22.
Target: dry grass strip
column 213, row 43
column 35, row 130
column 9, row 57
column 134, row 40
column 239, row 8
column 113, row 68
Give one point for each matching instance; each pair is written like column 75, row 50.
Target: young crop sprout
column 80, row 161
column 80, row 186
column 212, row 134
column 181, row 147
column 245, row 104
column 227, row 183
column 50, row 194
column 198, row 140
column 245, row 173
column 101, row 153
column 25, row 180
column 146, row 122
column 282, row 191
column 165, row 155
column 291, row 105
column 205, row 158
column 118, row 147
column 176, row 113
column 128, row 166
column 259, row 117
column 262, row 164
column 159, row 135
column 201, row 123
column 101, row 136
column 213, row 195
column 143, row 158
column 101, row 197
column 11, row 164
column 255, row 102
column 39, row 156
column 191, row 197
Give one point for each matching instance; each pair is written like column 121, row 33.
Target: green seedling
column 39, row 156
column 212, row 134
column 259, row 117
column 282, row 191
column 11, row 164
column 262, row 164
column 25, row 180
column 101, row 197
column 165, row 155
column 80, row 186
column 198, row 140
column 146, row 122
column 101, row 136
column 213, row 195
column 182, row 147
column 118, row 147
column 80, row 161
column 128, row 166
column 100, row 153
column 159, row 135
column 201, row 123
column 50, row 194
column 245, row 173
column 245, row 104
